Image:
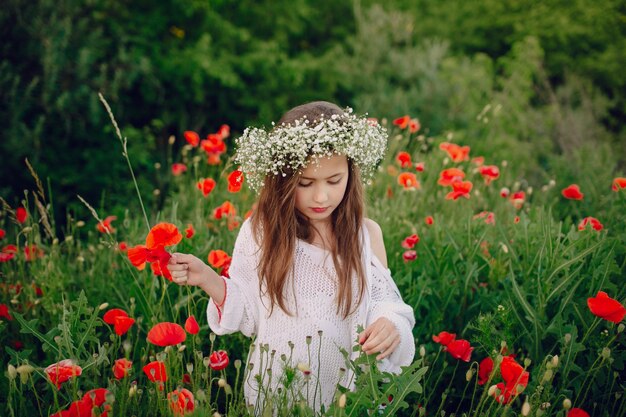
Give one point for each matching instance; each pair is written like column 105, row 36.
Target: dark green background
column 555, row 66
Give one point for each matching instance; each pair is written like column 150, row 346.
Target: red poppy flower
column 32, row 252
column 121, row 368
column 457, row 153
column 163, row 234
column 504, row 192
column 606, row 307
column 444, row 338
column 459, row 189
column 577, row 412
column 619, row 183
column 105, row 225
column 189, row 231
column 489, row 173
column 595, row 223
column 572, row 192
column 187, row 379
column 213, row 145
column 4, row 312
column 192, row 138
column 166, row 334
column 402, row 122
column 409, row 255
column 3, row 233
column 514, row 376
column 225, row 210
column 191, row 325
column 224, row 131
column 62, row 371
column 8, row 253
column 119, row 319
column 218, row 360
column 429, row 220
column 155, row 371
column 122, row 246
column 178, row 169
column 206, row 185
column 460, row 349
column 84, row 407
column 410, row 241
column 181, row 401
column 414, row 125
column 449, row 176
column 21, row 215
column 518, row 199
column 485, row 368
column 408, row 181
column 419, row 167
column 404, row 159
column 218, row 258
column 235, row 181
column 516, row 219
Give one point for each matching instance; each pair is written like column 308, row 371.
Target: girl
column 307, row 268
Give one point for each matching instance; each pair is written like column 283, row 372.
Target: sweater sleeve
column 239, row 311
column 387, row 302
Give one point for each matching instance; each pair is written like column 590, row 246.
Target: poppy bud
column 342, row 401
column 620, row 328
column 80, row 223
column 527, row 362
column 171, row 139
column 237, row 364
column 492, row 390
column 103, row 306
column 525, row 409
column 181, row 348
column 189, row 367
column 422, row 351
column 606, row 353
column 469, row 374
column 221, row 383
column 567, row 337
column 216, row 414
column 12, row 372
column 212, row 337
column 132, row 390
column 555, row 360
column 567, row 403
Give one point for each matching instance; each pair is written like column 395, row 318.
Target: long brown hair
column 277, row 221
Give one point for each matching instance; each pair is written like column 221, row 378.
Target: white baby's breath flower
column 287, row 148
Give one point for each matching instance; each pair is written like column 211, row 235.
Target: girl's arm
column 391, row 321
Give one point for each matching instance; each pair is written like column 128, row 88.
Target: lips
column 319, row 209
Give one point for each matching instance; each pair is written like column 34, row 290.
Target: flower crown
column 288, row 147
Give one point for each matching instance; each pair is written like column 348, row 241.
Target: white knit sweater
column 310, row 297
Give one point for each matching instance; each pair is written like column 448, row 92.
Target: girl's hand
column 380, row 337
column 187, row 269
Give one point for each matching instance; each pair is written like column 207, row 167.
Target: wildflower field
column 517, row 286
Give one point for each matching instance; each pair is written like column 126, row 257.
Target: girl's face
column 321, row 187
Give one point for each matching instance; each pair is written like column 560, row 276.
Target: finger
column 377, row 344
column 178, row 267
column 180, row 280
column 365, row 334
column 389, row 350
column 377, row 334
column 178, row 274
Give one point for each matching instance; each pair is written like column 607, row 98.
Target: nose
column 320, row 194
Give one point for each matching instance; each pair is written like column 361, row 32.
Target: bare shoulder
column 376, row 240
